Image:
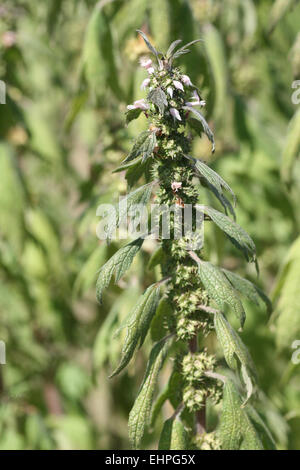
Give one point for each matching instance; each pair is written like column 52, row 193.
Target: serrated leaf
column 236, row 430
column 143, row 146
column 138, row 196
column 213, row 180
column 132, row 114
column 138, row 324
column 173, row 435
column 248, row 289
column 158, row 97
column 219, row 289
column 139, row 417
column 205, row 126
column 134, row 173
column 117, row 265
column 236, row 234
column 233, row 349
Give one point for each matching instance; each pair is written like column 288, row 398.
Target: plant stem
column 201, row 420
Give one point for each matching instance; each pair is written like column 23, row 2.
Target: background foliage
column 70, row 68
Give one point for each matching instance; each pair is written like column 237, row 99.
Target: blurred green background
column 70, row 68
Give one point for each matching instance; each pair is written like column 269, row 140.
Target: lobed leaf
column 138, row 324
column 236, row 234
column 139, row 417
column 158, row 97
column 143, row 146
column 118, row 264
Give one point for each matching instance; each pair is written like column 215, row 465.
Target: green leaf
column 140, row 195
column 117, row 265
column 132, row 114
column 99, row 54
column 219, row 289
column 128, row 165
column 234, row 232
column 148, row 44
column 144, row 146
column 159, row 323
column 233, row 349
column 139, row 417
column 214, row 181
column 173, row 436
column 158, row 97
column 261, row 428
column 104, row 348
column 86, row 276
column 278, row 11
column 138, row 324
column 172, row 47
column 248, row 289
column 134, row 173
column 236, row 430
column 214, row 46
column 287, row 292
column 184, row 50
column 205, row 126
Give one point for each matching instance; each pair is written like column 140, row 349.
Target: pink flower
column 175, row 113
column 178, row 85
column 175, row 186
column 145, row 63
column 196, row 100
column 150, row 70
column 170, row 91
column 145, row 83
column 141, row 104
column 186, row 80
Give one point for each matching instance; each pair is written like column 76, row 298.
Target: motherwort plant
column 194, row 298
